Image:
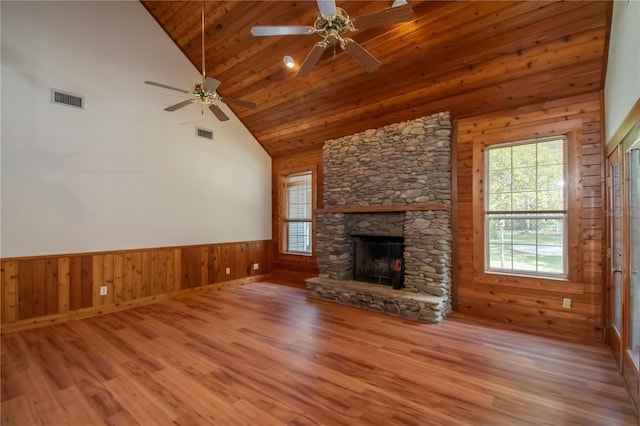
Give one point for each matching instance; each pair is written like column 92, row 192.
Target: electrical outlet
column 228, row 271
column 566, row 303
column 256, row 266
column 103, row 290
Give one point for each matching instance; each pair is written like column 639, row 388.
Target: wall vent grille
column 65, row 98
column 204, row 133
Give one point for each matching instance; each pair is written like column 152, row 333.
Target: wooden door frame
column 621, row 143
column 630, row 370
column 612, row 338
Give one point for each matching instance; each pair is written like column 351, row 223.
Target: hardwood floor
column 262, row 354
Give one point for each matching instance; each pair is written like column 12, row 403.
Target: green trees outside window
column 525, row 211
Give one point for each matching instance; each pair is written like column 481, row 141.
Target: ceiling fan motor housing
column 331, row 28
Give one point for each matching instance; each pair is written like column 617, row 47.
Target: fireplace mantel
column 387, row 209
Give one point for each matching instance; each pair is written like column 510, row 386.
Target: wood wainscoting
column 38, row 291
column 525, row 302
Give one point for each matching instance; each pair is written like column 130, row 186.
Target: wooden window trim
column 283, row 174
column 572, row 129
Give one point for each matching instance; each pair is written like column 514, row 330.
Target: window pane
column 299, row 196
column 617, row 247
column 500, row 256
column 299, row 237
column 533, row 244
column 551, row 200
column 523, row 201
column 500, row 202
column 550, row 152
column 500, row 159
column 550, row 177
column 500, row 180
column 524, row 155
column 526, row 179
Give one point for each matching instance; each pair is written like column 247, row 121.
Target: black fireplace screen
column 379, row 260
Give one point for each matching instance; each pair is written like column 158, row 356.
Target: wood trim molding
column 573, row 130
column 513, row 134
column 625, row 127
column 388, row 209
column 454, row 212
column 123, row 250
column 281, row 203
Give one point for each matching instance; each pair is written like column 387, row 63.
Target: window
column 634, row 255
column 526, row 209
column 298, row 214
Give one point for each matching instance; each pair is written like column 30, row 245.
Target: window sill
column 523, row 275
column 294, row 253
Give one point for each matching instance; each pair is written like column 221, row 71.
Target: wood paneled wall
column 293, row 269
column 530, row 303
column 42, row 290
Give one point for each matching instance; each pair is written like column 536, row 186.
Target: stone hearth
column 394, row 181
column 417, row 306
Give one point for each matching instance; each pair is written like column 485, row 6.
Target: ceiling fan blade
column 393, row 15
column 215, row 109
column 278, row 30
column 151, row 83
column 327, row 7
column 179, row 105
column 211, row 84
column 312, row 59
column 238, row 102
column 361, row 54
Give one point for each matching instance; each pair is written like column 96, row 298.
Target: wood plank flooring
column 262, row 354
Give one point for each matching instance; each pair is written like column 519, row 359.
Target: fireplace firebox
column 379, row 260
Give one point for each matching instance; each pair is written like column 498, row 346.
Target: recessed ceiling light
column 289, row 62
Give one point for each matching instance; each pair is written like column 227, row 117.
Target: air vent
column 204, row 133
column 65, row 98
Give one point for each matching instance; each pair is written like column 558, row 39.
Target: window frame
column 283, row 221
column 572, row 130
column 527, row 214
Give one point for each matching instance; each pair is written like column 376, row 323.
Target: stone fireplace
column 389, row 182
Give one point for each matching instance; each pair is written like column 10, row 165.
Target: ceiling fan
column 205, row 92
column 331, row 23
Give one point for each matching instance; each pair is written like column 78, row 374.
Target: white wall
column 122, row 173
column 622, row 86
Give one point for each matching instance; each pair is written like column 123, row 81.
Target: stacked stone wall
column 401, row 164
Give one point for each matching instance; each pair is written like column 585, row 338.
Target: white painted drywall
column 622, row 86
column 122, row 173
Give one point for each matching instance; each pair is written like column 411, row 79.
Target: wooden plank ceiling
column 466, row 57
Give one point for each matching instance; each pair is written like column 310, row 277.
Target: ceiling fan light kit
column 205, row 92
column 332, row 23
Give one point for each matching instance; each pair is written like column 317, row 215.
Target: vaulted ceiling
column 466, row 57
